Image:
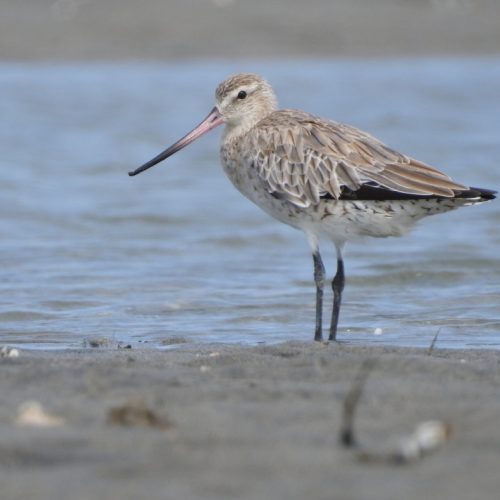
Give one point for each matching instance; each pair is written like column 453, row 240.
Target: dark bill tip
column 213, row 120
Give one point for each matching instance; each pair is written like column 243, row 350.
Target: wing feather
column 300, row 158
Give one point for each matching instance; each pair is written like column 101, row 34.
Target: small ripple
column 64, row 305
column 24, row 316
column 128, row 218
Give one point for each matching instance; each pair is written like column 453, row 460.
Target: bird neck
column 236, row 129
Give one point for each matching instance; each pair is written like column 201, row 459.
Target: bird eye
column 242, row 94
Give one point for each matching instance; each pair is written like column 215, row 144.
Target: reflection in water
column 87, row 251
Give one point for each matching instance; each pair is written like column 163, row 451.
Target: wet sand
column 246, row 422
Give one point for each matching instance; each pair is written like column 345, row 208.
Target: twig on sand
column 347, row 432
column 433, row 343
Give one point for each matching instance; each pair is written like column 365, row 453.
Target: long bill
column 213, row 120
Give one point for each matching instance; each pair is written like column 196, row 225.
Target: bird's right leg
column 319, row 279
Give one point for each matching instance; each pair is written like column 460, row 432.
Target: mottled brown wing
column 302, row 158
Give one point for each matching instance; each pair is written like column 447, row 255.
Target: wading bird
column 328, row 179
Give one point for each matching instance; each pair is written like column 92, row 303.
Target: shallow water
column 176, row 252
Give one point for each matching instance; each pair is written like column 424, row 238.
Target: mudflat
column 229, row 421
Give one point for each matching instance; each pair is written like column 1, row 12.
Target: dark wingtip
column 475, row 192
column 131, row 174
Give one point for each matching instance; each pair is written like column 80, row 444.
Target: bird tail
column 477, row 194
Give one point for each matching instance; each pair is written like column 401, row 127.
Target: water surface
column 176, row 252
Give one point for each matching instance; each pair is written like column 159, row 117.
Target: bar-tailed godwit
column 328, row 179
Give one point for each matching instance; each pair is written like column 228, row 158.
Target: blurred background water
column 176, row 252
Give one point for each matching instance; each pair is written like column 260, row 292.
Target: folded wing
column 302, row 159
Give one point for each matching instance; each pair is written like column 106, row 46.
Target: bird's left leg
column 337, row 287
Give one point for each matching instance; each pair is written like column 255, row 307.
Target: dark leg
column 337, row 287
column 319, row 279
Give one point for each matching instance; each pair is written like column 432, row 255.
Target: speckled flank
column 339, row 220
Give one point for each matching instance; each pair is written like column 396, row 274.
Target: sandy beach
column 247, row 423
column 229, row 421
